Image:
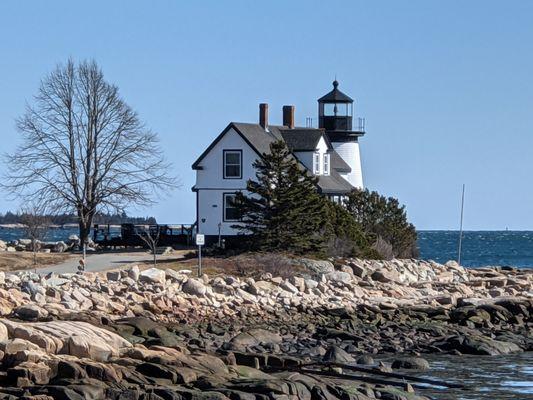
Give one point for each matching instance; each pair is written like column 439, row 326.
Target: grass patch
column 21, row 260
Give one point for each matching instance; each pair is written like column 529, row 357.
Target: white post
column 461, row 227
column 200, row 241
column 199, row 261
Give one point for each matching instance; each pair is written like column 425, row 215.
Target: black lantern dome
column 335, row 115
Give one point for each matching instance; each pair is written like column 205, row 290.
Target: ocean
column 479, row 248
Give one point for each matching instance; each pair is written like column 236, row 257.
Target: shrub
column 384, row 223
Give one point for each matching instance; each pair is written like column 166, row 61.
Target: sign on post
column 200, row 241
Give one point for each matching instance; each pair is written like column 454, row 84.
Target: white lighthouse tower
column 335, row 116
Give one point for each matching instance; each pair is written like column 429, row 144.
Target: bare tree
column 36, row 224
column 150, row 236
column 84, row 149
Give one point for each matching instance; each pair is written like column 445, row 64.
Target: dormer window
column 316, row 163
column 326, row 164
column 232, row 164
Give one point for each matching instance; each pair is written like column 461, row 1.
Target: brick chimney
column 288, row 116
column 263, row 115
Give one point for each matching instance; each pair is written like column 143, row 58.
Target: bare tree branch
column 149, row 234
column 84, row 149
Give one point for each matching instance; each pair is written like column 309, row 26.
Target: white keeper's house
column 330, row 151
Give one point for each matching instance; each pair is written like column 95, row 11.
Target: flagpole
column 461, row 227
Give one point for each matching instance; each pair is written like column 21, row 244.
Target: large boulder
column 386, row 276
column 316, row 267
column 30, row 312
column 152, row 275
column 337, row 355
column 416, row 363
column 134, row 272
column 3, row 333
column 194, row 287
column 76, row 338
column 339, row 277
column 254, row 337
column 60, row 247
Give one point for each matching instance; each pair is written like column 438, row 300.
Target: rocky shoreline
column 318, row 334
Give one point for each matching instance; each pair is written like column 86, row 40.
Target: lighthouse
column 335, row 116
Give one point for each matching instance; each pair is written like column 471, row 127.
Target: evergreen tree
column 284, row 211
column 346, row 237
column 384, row 222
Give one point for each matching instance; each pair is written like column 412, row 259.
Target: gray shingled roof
column 297, row 139
column 302, row 139
column 333, row 184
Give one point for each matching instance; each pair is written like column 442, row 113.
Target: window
column 316, row 163
column 326, row 164
column 232, row 164
column 231, row 212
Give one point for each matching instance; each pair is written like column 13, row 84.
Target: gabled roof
column 297, row 139
column 253, row 134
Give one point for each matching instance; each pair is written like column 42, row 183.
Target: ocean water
column 484, row 377
column 479, row 248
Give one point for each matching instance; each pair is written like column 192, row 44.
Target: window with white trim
column 316, row 163
column 232, row 164
column 231, row 212
column 326, row 164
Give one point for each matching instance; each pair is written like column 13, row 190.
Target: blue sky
column 445, row 87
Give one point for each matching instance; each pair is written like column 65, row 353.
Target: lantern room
column 335, row 112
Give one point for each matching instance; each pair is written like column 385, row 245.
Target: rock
column 358, row 270
column 56, row 281
column 152, row 275
column 416, row 363
column 254, row 337
column 385, row 276
column 365, row 360
column 3, row 245
column 175, row 276
column 339, row 277
column 113, row 275
column 3, row 333
column 480, row 345
column 298, row 283
column 83, row 346
column 194, row 287
column 30, row 312
column 134, row 272
column 76, row 338
column 2, row 277
column 310, row 284
column 289, row 287
column 60, row 247
column 337, row 355
column 316, row 267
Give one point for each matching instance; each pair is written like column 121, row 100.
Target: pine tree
column 283, row 211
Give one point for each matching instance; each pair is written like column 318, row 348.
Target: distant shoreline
column 52, row 226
